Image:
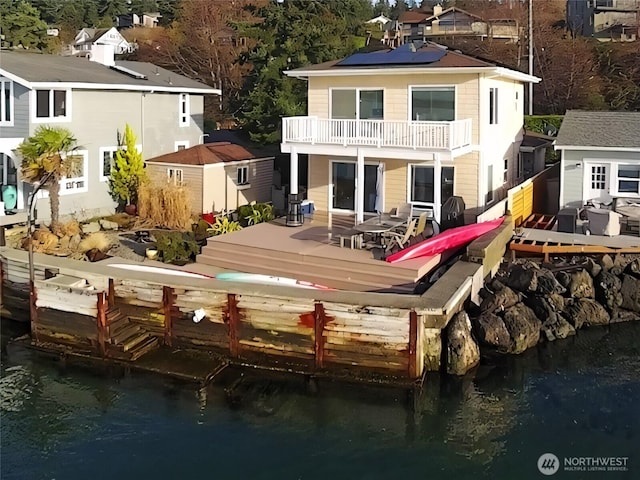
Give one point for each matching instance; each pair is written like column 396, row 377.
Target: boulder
column 556, row 327
column 581, row 285
column 621, row 315
column 558, row 302
column 500, row 300
column 491, row 331
column 523, row 326
column 462, row 351
column 74, row 242
column 593, row 267
column 523, row 279
column 547, row 283
column 633, row 268
column 630, row 291
column 108, row 225
column 64, row 243
column 606, row 262
column 607, row 288
column 92, row 227
column 585, row 311
column 620, row 264
column 542, row 308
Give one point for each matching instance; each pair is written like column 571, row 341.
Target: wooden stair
column 127, row 340
column 344, row 274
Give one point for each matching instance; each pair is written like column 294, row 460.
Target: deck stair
column 127, row 340
column 345, row 269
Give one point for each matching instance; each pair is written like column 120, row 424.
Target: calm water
column 580, row 397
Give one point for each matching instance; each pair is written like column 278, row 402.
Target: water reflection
column 573, row 397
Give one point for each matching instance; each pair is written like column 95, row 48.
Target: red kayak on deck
column 449, row 239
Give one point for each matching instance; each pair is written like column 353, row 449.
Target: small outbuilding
column 220, row 176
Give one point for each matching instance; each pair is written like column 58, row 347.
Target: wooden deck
column 312, row 253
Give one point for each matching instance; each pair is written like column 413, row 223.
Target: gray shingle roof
column 36, row 67
column 600, row 129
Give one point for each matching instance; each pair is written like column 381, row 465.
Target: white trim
column 410, row 98
column 173, row 173
column 102, row 151
column 382, row 152
column 587, row 148
column 33, row 101
column 358, row 90
column 244, row 168
column 341, row 72
column 562, row 179
column 184, row 118
column 355, row 189
column 180, row 143
column 494, row 106
column 615, row 179
column 64, row 190
column 12, row 112
column 419, row 203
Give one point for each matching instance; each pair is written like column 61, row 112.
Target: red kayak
column 449, row 239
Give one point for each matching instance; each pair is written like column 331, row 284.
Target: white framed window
column 357, row 103
column 628, row 179
column 51, row 105
column 76, row 180
column 493, row 106
column 183, row 110
column 6, row 102
column 243, row 175
column 489, row 197
column 181, row 145
column 421, row 185
column 107, row 156
column 505, row 172
column 598, row 177
column 174, row 175
column 432, row 103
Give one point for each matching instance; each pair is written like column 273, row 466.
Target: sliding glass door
column 343, row 178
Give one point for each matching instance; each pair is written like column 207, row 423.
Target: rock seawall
column 526, row 303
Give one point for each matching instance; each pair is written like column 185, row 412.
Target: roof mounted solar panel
column 404, row 55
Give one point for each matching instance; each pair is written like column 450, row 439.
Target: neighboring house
column 220, row 176
column 95, row 101
column 420, row 26
column 600, row 156
column 380, row 21
column 533, row 152
column 417, row 124
column 614, row 20
column 89, row 40
column 130, row 20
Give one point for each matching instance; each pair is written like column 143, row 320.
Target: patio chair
column 405, row 211
column 422, row 223
column 399, row 239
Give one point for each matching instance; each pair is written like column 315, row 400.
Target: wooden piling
column 233, row 320
column 318, row 346
column 413, row 344
column 33, row 311
column 112, row 293
column 101, row 323
column 167, row 308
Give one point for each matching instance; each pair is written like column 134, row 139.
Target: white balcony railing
column 378, row 133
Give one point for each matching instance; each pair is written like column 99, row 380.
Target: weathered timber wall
column 66, row 328
column 141, row 302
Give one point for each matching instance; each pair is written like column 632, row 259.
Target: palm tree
column 45, row 158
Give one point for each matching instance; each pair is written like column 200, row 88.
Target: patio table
column 378, row 225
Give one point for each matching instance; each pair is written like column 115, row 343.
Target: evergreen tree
column 21, row 25
column 127, row 170
column 382, row 7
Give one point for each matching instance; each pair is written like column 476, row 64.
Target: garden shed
column 219, row 176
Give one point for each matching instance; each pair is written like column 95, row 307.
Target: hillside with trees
column 243, row 46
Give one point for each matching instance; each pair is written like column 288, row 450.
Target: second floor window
column 184, row 113
column 493, row 106
column 6, row 102
column 433, row 104
column 243, row 175
column 350, row 104
column 51, row 104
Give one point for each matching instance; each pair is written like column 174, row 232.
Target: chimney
column 103, row 54
column 437, row 9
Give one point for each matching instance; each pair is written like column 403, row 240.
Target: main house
column 419, row 124
column 600, row 157
column 95, row 99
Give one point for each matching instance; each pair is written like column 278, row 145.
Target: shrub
column 70, row 228
column 165, row 206
column 255, row 213
column 542, row 123
column 177, row 247
column 224, row 225
column 95, row 241
column 127, row 170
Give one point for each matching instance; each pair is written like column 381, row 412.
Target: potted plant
column 127, row 173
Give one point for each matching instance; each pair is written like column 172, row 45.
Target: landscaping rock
column 581, row 285
column 622, row 315
column 619, row 264
column 585, row 311
column 607, row 288
column 108, row 225
column 630, row 291
column 606, row 262
column 462, row 351
column 64, row 242
column 547, row 283
column 500, row 300
column 92, row 227
column 74, row 242
column 523, row 279
column 558, row 302
column 523, row 326
column 491, row 331
column 556, row 327
column 633, row 268
column 542, row 308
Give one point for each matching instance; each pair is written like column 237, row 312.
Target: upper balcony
column 415, row 135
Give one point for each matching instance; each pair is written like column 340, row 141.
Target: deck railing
column 378, row 133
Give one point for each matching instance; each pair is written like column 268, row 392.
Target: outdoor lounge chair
column 404, row 211
column 400, row 239
column 422, row 223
